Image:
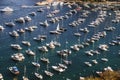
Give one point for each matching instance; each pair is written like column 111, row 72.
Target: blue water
column 78, row 68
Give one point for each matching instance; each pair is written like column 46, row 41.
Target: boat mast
column 24, row 71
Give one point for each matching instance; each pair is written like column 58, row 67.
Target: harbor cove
column 58, row 40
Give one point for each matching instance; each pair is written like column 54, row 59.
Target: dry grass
column 106, row 75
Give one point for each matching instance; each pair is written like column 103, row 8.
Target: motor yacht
column 18, row 57
column 27, row 43
column 103, row 47
column 14, row 33
column 43, row 48
column 30, row 52
column 50, row 45
column 16, row 46
column 20, row 20
column 14, row 70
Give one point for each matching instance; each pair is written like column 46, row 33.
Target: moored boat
column 58, row 68
column 27, row 43
column 1, row 77
column 36, row 64
column 14, row 70
column 7, row 9
column 18, row 57
column 39, row 76
column 48, row 73
column 16, row 46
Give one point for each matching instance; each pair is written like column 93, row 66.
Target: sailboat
column 45, row 23
column 47, row 72
column 37, row 75
column 24, row 77
column 35, row 63
column 56, row 31
column 66, row 61
column 61, row 64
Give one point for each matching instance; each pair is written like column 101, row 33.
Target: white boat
column 56, row 43
column 43, row 48
column 44, row 23
column 45, row 60
column 64, row 52
column 14, row 34
column 30, row 52
column 104, row 59
column 11, row 24
column 39, row 76
column 27, row 43
column 24, row 77
column 51, row 45
column 20, row 20
column 110, row 28
column 16, row 46
column 1, row 77
column 58, row 68
column 108, row 68
column 95, row 61
column 1, row 27
column 67, row 62
column 29, row 29
column 40, row 38
column 36, row 64
column 7, row 9
column 40, row 10
column 77, row 34
column 103, row 47
column 75, row 47
column 89, row 53
column 18, row 57
column 32, row 14
column 88, row 64
column 14, row 70
column 85, row 30
column 48, row 73
column 82, row 78
column 54, row 32
column 57, row 31
column 21, row 31
column 27, row 18
column 62, row 66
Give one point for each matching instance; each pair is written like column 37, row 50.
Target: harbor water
column 77, row 68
